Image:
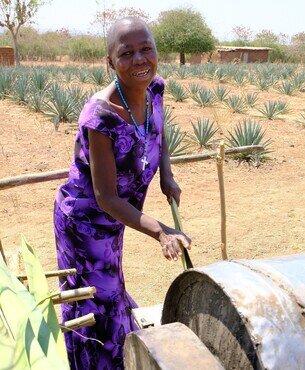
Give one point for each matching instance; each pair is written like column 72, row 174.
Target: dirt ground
column 265, row 205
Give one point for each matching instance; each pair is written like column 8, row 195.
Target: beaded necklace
column 144, row 134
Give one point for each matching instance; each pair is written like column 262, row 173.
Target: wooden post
column 79, row 322
column 10, row 182
column 219, row 161
column 73, row 295
column 55, row 273
column 2, row 252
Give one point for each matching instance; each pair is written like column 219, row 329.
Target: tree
column 242, row 34
column 182, row 31
column 14, row 14
column 298, row 45
column 266, row 37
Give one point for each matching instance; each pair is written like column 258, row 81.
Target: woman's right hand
column 172, row 241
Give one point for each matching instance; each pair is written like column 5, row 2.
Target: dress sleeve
column 96, row 117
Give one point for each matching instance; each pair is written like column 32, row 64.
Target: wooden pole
column 80, row 322
column 219, row 161
column 73, row 295
column 206, row 156
column 55, row 273
column 2, row 252
column 10, row 182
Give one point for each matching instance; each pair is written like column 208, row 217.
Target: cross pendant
column 144, row 161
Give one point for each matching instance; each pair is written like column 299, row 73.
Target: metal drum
column 249, row 313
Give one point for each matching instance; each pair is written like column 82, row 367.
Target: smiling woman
column 119, row 147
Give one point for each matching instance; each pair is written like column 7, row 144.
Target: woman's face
column 134, row 55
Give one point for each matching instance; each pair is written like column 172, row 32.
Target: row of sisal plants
column 61, row 92
column 51, row 90
column 239, row 74
column 205, row 97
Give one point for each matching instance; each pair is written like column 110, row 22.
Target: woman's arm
column 104, row 175
column 168, row 185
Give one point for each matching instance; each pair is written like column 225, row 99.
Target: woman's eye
column 126, row 53
column 147, row 48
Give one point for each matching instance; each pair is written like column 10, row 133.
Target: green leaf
column 33, row 343
column 39, row 288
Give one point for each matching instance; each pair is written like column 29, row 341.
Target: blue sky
column 279, row 16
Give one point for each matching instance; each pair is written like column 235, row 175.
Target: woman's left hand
column 171, row 189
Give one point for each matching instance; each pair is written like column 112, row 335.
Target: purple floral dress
column 91, row 241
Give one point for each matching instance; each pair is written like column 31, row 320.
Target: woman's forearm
column 128, row 215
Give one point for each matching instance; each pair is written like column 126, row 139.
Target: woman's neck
column 135, row 97
column 135, row 101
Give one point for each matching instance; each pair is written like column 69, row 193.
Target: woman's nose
column 138, row 57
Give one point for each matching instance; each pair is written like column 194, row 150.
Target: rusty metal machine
column 250, row 314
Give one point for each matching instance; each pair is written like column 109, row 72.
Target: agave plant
column 20, row 89
column 83, row 75
column 182, row 72
column 263, row 83
column 209, row 70
column 79, row 97
column 251, row 99
column 270, row 110
column 288, row 70
column 283, row 107
column 236, row 104
column 69, row 73
column 177, row 91
column 203, row 130
column 221, row 74
column 249, row 132
column 221, row 93
column 204, row 97
column 168, row 117
column 299, row 81
column 286, row 87
column 196, row 71
column 240, row 78
column 194, row 88
column 61, row 108
column 40, row 80
column 6, row 81
column 98, row 76
column 165, row 70
column 76, row 92
column 37, row 100
column 174, row 138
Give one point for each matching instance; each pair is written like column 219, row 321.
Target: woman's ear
column 110, row 62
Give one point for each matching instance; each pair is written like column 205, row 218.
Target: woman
column 119, row 147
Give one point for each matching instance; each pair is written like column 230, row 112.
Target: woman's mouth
column 142, row 73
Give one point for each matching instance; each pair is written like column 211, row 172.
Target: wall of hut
column 7, row 56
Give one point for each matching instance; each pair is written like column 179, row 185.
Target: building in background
column 7, row 56
column 243, row 54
